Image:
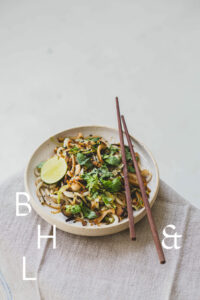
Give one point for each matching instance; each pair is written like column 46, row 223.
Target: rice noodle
column 74, row 191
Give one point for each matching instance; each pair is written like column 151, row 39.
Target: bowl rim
column 45, row 214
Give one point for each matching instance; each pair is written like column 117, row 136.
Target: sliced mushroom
column 80, row 136
column 66, row 142
column 119, row 211
column 60, row 139
column 95, row 204
column 52, row 197
column 76, row 186
column 146, row 174
column 73, row 164
column 77, row 169
column 119, row 201
column 100, row 147
column 133, row 179
column 103, row 214
column 69, row 194
column 70, row 174
column 104, row 142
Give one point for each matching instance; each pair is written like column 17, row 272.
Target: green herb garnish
column 104, row 172
column 113, row 149
column 128, row 154
column 113, row 160
column 113, row 185
column 73, row 209
column 88, row 213
column 107, row 199
column 94, row 139
column 83, row 160
column 74, row 150
column 93, row 183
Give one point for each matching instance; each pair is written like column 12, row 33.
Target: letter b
column 26, row 204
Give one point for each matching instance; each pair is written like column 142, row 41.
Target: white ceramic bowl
column 44, row 151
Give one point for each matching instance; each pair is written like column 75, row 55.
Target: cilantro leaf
column 104, row 172
column 92, row 180
column 83, row 160
column 113, row 149
column 73, row 209
column 113, row 160
column 88, row 213
column 128, row 154
column 107, row 200
column 113, row 185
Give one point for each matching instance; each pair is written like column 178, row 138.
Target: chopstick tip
column 162, row 262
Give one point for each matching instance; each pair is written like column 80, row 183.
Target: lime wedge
column 53, row 169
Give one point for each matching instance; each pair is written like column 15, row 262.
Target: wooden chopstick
column 144, row 197
column 125, row 173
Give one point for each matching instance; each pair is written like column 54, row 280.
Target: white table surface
column 63, row 62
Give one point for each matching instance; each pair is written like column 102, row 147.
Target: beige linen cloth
column 110, row 267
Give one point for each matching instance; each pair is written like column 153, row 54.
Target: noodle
column 92, row 190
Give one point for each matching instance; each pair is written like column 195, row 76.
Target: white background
column 63, row 62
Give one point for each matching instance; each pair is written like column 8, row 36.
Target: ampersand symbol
column 175, row 236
